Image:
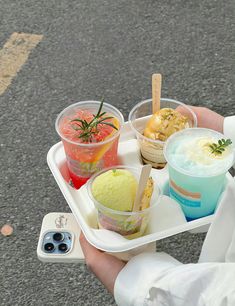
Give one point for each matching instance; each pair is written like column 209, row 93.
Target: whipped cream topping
column 192, row 153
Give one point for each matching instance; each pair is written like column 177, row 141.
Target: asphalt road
column 92, row 49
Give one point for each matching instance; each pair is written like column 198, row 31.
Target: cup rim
column 95, row 144
column 118, row 212
column 185, row 171
column 162, row 99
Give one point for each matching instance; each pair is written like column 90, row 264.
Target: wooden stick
column 156, row 91
column 145, row 171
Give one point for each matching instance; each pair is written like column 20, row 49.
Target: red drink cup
column 90, row 155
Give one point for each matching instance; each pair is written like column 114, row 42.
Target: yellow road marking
column 14, row 54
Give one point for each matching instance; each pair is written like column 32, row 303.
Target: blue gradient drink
column 197, row 175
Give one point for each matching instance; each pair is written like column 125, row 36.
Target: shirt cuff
column 134, row 280
column 229, row 128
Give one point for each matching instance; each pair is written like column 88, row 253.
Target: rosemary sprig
column 90, row 128
column 219, row 148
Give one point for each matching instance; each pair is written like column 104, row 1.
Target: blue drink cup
column 196, row 175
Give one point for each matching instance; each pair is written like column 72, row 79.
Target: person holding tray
column 159, row 279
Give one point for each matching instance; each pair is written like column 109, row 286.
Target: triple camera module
column 57, row 242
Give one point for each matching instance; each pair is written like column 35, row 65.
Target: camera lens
column 49, row 247
column 63, row 247
column 58, row 237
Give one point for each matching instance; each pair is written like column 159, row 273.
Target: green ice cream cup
column 127, row 223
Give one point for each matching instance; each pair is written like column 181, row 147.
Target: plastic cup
column 128, row 224
column 152, row 150
column 196, row 180
column 85, row 159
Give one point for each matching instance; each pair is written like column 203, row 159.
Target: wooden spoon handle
column 145, row 171
column 156, row 91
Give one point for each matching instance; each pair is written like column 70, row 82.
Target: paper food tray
column 167, row 219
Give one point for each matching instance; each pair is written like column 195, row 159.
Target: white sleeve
column 159, row 280
column 219, row 245
column 229, row 128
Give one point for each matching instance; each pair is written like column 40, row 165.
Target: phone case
column 61, row 222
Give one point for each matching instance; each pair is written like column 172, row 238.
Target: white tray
column 167, row 220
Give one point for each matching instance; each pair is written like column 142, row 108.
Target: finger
column 87, row 248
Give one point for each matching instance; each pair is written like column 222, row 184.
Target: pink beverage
column 90, row 132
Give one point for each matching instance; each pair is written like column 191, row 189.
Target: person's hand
column 207, row 118
column 106, row 267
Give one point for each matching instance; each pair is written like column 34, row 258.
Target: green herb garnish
column 90, row 128
column 219, row 148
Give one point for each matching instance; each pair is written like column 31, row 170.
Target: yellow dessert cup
column 127, row 223
column 152, row 149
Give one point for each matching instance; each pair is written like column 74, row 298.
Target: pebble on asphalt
column 6, row 230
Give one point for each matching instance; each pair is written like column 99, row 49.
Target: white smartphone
column 59, row 239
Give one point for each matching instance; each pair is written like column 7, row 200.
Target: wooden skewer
column 145, row 171
column 156, row 91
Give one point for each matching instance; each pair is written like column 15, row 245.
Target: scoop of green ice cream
column 115, row 189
